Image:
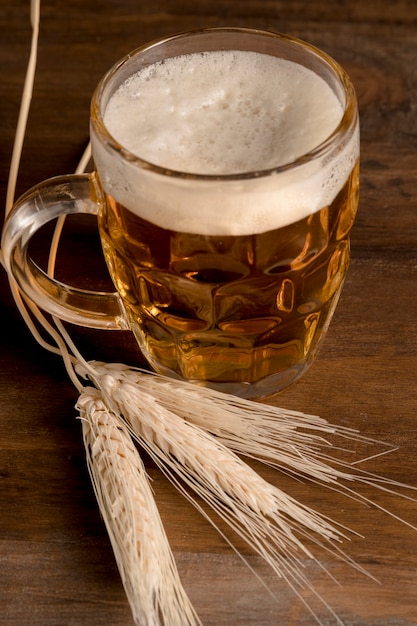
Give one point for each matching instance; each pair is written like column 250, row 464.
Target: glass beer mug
column 225, row 188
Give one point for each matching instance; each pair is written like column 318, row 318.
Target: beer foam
column 221, row 113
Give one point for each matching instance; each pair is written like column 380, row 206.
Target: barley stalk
column 141, row 548
column 289, row 440
column 270, row 521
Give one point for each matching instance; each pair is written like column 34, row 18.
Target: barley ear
column 143, row 555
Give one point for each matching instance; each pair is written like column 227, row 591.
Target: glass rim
column 347, row 121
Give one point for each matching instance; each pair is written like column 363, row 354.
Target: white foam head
column 223, row 113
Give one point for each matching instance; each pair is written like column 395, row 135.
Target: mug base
column 263, row 388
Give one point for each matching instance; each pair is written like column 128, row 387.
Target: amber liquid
column 240, row 313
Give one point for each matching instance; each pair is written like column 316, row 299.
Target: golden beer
column 243, row 310
column 229, row 251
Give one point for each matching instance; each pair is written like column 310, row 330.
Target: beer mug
column 225, row 188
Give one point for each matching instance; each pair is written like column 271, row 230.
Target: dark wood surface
column 57, row 566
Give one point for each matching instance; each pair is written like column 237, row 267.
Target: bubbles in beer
column 219, row 113
column 223, row 112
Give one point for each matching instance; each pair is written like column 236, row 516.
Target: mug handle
column 55, row 197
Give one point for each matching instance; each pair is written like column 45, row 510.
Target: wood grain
column 57, row 566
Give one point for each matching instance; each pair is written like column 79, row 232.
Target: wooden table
column 57, row 566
